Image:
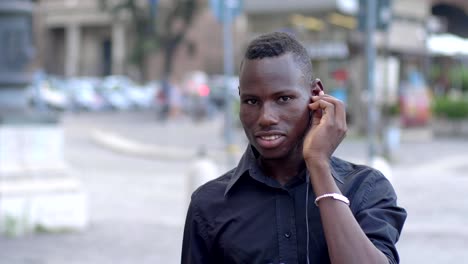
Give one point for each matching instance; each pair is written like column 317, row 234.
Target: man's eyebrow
column 247, row 95
column 285, row 91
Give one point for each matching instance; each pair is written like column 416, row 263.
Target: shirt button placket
column 286, row 221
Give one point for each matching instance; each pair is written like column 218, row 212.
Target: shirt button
column 287, row 235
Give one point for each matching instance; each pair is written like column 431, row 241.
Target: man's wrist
column 319, row 173
column 318, row 164
column 321, row 177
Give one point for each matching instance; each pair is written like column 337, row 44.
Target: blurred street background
column 111, row 110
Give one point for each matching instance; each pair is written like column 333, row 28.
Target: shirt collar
column 245, row 164
column 248, row 164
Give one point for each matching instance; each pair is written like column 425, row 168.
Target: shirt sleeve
column 195, row 247
column 379, row 216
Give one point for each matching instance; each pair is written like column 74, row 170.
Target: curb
column 127, row 146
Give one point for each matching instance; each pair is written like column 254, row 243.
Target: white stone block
column 60, row 211
column 30, row 148
column 51, row 202
column 54, row 211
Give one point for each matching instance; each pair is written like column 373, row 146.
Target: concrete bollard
column 202, row 170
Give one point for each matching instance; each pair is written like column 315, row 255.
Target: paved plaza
column 137, row 200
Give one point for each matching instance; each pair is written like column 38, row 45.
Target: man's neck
column 283, row 170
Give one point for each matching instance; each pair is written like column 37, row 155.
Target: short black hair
column 279, row 43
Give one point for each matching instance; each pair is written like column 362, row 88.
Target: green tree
column 158, row 26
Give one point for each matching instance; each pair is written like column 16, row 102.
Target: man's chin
column 272, row 154
column 279, row 153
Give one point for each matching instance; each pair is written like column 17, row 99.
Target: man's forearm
column 346, row 241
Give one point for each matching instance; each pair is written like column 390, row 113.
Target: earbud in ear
column 317, row 87
column 320, row 84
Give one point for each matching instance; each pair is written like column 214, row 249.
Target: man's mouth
column 270, row 141
column 270, row 138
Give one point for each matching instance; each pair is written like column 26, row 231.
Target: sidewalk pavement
column 140, row 134
column 430, row 175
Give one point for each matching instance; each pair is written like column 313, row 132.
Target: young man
column 288, row 200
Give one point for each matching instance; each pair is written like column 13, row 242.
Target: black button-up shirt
column 245, row 216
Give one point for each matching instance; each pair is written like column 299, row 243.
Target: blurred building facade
column 454, row 15
column 79, row 38
column 76, row 38
column 330, row 28
column 330, row 31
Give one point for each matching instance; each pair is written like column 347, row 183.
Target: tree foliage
column 161, row 26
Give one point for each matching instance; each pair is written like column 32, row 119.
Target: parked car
column 113, row 91
column 84, row 95
column 50, row 92
column 142, row 97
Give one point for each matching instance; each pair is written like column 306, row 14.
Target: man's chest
column 270, row 229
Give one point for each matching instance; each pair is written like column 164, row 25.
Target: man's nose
column 268, row 116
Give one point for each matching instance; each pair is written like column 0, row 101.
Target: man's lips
column 268, row 133
column 270, row 139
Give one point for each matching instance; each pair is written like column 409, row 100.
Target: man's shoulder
column 345, row 171
column 213, row 190
column 357, row 180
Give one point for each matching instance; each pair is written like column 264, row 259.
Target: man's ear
column 316, row 87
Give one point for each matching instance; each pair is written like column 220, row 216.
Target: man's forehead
column 281, row 68
column 269, row 65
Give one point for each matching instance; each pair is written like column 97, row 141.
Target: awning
column 447, row 44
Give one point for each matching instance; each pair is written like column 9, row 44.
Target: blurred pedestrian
column 175, row 100
column 289, row 200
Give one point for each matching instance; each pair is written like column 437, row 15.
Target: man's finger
column 328, row 109
column 340, row 109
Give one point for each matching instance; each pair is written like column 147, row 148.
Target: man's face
column 274, row 102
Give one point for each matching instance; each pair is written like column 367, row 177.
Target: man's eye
column 251, row 101
column 284, row 98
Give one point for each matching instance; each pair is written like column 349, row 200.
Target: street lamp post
column 16, row 52
column 371, row 12
column 228, row 6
